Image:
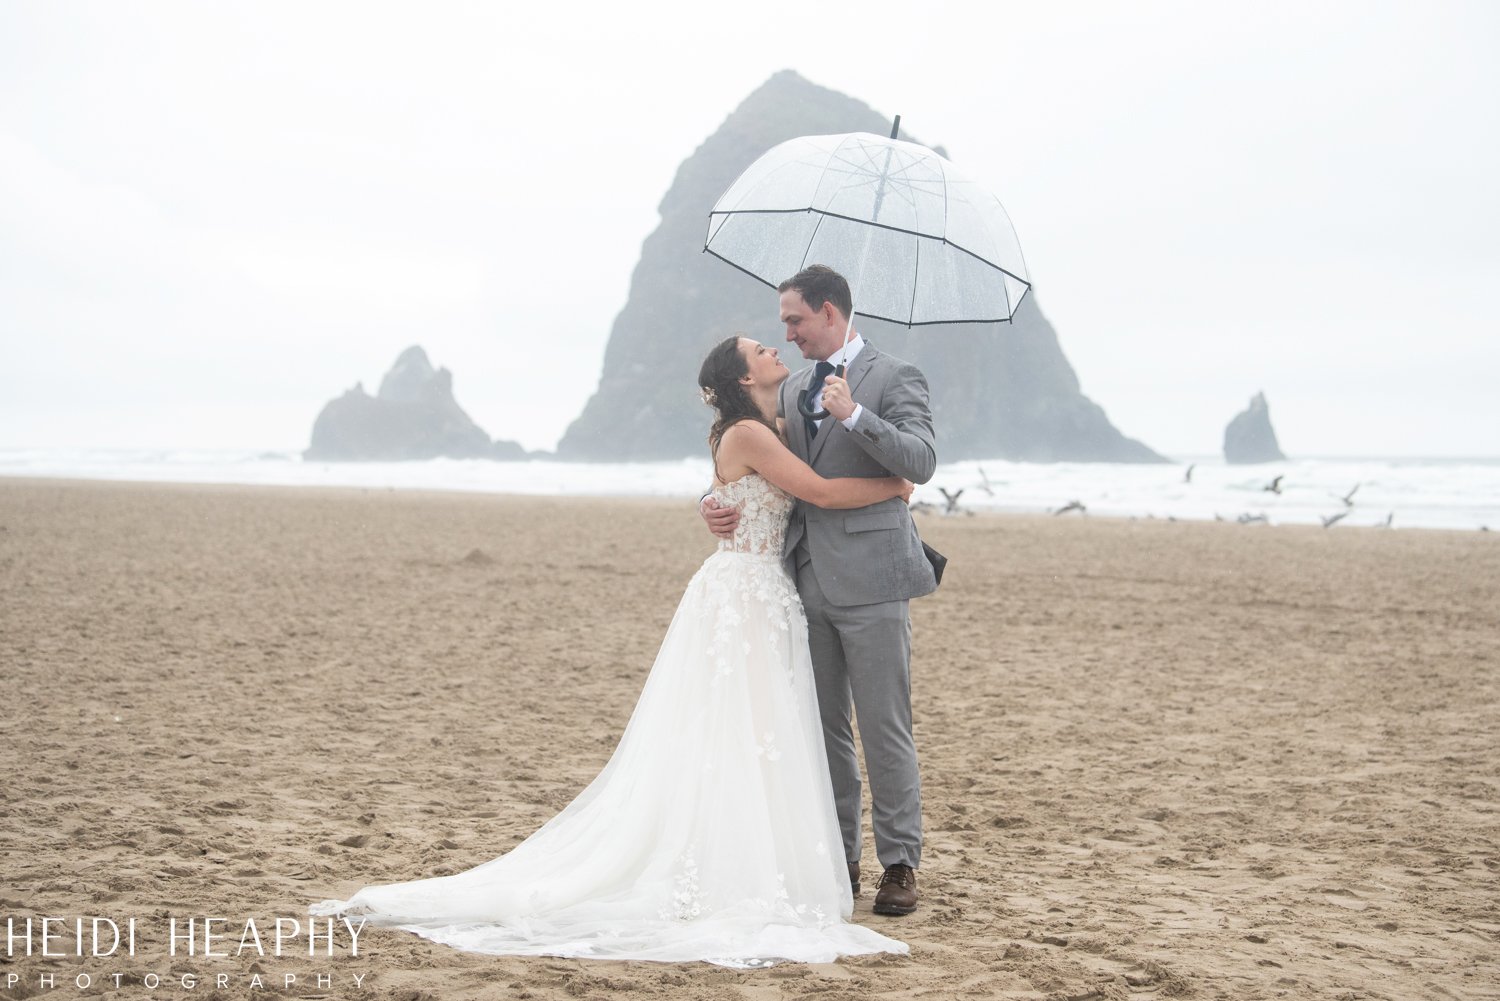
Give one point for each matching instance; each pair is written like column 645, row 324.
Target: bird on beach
column 1274, row 486
column 1348, row 498
column 984, row 483
column 1333, row 519
column 1072, row 505
column 1187, row 477
column 1388, row 519
column 951, row 499
column 1253, row 519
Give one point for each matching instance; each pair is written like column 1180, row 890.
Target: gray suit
column 856, row 572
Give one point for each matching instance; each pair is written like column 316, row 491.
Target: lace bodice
column 764, row 512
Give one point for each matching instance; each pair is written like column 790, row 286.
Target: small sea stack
column 413, row 416
column 1249, row 438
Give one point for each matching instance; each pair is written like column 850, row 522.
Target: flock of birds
column 951, row 503
column 950, row 498
column 1328, row 520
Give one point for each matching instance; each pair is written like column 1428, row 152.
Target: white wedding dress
column 711, row 832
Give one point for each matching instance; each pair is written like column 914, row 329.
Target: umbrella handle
column 804, row 400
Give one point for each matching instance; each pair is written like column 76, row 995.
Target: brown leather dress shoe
column 898, row 891
column 854, row 878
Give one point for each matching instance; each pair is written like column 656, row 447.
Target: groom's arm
column 900, row 437
column 721, row 521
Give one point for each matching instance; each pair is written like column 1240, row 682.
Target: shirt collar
column 847, row 355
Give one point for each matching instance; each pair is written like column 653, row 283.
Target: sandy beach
column 1159, row 759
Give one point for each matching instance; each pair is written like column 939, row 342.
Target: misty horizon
column 227, row 222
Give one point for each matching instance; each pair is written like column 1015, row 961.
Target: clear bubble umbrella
column 919, row 242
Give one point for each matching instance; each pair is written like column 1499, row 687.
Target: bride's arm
column 756, row 447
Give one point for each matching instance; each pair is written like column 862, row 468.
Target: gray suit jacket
column 873, row 553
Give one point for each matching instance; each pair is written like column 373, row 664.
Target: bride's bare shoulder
column 748, row 428
column 751, row 436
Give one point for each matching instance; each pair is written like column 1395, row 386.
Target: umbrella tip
column 895, row 126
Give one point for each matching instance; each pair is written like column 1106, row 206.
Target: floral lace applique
column 764, row 511
column 687, row 898
column 780, row 907
column 726, row 625
column 767, row 748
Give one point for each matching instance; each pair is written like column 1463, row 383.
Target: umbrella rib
column 942, row 323
column 916, row 269
column 901, row 173
column 817, row 226
column 987, row 263
column 869, row 175
column 878, row 225
column 1018, row 301
column 943, row 173
column 876, row 316
column 824, row 173
column 752, row 274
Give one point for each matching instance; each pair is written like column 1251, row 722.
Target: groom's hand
column 722, row 521
column 836, row 398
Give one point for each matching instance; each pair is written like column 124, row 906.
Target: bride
column 711, row 833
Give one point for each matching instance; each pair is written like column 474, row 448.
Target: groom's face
column 816, row 332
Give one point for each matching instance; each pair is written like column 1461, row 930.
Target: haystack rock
column 413, row 416
column 1249, row 438
column 998, row 391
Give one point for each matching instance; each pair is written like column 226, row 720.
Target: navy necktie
column 821, row 372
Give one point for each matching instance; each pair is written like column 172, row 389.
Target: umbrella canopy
column 919, row 242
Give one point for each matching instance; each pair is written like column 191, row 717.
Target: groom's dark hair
column 817, row 284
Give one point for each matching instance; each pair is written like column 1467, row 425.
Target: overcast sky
column 218, row 216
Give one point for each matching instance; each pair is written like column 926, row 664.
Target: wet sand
column 1159, row 759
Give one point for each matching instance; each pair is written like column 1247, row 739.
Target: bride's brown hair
column 719, row 378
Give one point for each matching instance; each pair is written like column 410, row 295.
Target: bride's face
column 764, row 364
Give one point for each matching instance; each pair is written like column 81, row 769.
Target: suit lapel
column 796, row 423
column 861, row 367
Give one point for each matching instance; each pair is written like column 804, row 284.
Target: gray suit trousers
column 861, row 658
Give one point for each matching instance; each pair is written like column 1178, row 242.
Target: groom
column 857, row 570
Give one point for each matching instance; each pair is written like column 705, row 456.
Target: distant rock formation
column 1249, row 438
column 413, row 416
column 1000, row 391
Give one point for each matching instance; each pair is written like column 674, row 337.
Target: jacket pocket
column 872, row 521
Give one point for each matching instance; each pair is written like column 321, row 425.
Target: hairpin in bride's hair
column 709, row 396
